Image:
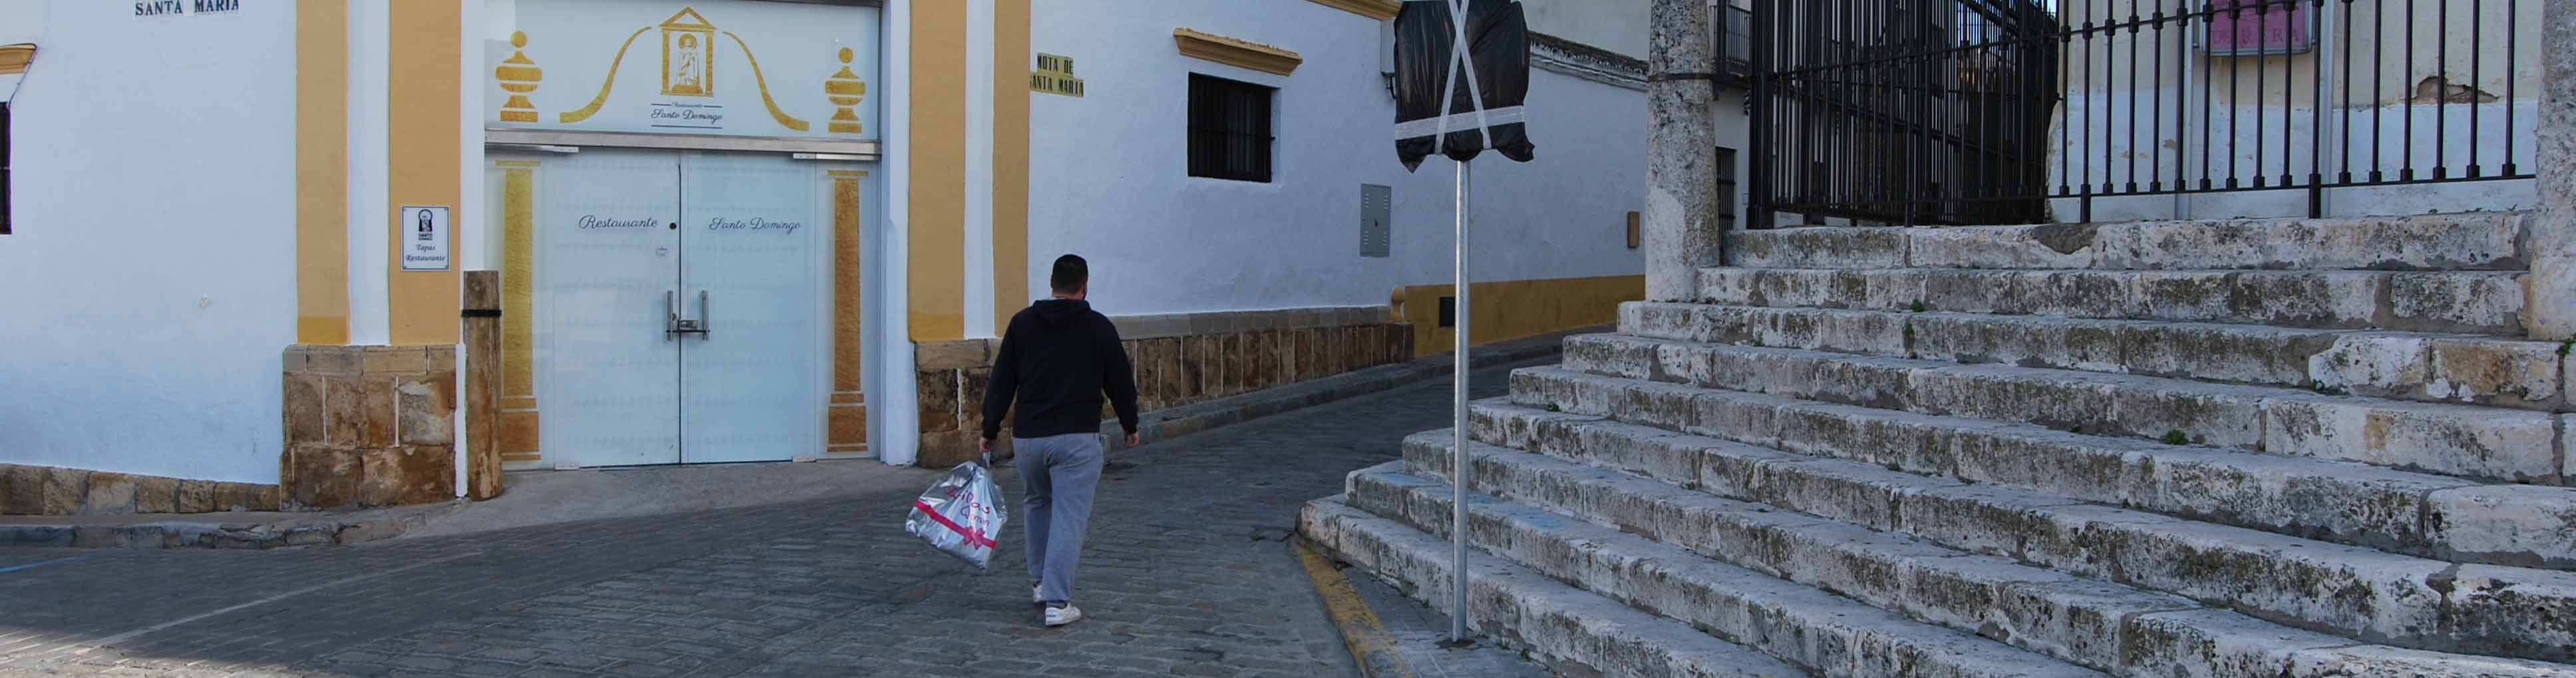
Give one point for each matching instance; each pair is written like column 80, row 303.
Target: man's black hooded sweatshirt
column 1057, row 357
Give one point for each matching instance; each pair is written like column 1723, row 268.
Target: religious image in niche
column 685, row 73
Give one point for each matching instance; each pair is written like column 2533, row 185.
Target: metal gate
column 1984, row 111
column 1901, row 111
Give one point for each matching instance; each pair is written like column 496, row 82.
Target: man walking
column 1058, row 356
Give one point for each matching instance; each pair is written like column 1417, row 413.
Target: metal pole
column 1458, row 432
column 1759, row 207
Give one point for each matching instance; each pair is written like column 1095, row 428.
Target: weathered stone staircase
column 2247, row 448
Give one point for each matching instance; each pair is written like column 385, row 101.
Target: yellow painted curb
column 1370, row 645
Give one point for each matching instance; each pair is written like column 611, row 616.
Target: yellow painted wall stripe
column 1504, row 310
column 938, row 173
column 425, row 47
column 322, row 172
column 1010, row 160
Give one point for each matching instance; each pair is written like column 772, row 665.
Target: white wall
column 1109, row 171
column 1615, row 25
column 151, row 282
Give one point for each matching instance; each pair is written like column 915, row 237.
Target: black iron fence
column 1987, row 111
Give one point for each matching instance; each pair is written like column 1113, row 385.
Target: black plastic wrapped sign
column 1438, row 85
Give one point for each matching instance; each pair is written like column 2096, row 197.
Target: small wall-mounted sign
column 1055, row 76
column 185, row 7
column 2259, row 28
column 423, row 240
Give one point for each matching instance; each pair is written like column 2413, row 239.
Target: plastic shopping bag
column 960, row 515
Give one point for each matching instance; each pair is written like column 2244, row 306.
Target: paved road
column 1188, row 574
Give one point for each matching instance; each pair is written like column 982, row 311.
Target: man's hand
column 1135, row 440
column 984, row 444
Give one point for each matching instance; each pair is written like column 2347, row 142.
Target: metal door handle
column 674, row 325
column 706, row 318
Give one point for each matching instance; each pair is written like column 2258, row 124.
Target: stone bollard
column 482, row 384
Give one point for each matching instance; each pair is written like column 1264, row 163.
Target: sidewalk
column 549, row 497
column 531, row 498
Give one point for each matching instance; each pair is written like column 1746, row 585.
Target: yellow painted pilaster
column 1011, row 56
column 321, row 172
column 846, row 428
column 426, row 138
column 518, row 310
column 937, row 202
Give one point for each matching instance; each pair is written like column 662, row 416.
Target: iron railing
column 1985, row 111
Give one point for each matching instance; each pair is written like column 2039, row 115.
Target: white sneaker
column 1059, row 616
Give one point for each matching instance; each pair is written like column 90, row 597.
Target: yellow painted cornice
column 1375, row 9
column 14, row 58
column 1236, row 51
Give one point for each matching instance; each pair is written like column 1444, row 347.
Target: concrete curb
column 1372, row 648
column 1197, row 417
column 237, row 533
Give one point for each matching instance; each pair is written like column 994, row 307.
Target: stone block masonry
column 2553, row 232
column 369, row 425
column 54, row 491
column 1179, row 360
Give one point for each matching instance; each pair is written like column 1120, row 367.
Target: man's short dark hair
column 1070, row 273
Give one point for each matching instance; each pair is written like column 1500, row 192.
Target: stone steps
column 2488, row 302
column 2487, row 241
column 1556, row 622
column 2398, row 365
column 2092, row 623
column 2479, row 442
column 2317, row 585
column 2303, row 448
column 1805, row 626
column 2413, row 513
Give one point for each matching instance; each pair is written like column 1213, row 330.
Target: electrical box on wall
column 1376, row 205
column 1632, row 230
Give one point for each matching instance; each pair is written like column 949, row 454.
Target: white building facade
column 326, row 253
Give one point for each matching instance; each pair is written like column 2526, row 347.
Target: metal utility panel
column 1376, row 203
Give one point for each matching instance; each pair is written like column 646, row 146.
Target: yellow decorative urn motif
column 845, row 90
column 519, row 77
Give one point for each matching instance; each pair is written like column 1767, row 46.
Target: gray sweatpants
column 1057, row 477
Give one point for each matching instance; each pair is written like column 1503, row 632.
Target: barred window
column 1229, row 129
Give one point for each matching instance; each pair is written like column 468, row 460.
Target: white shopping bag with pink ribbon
column 961, row 514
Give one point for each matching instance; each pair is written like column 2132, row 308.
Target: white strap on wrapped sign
column 1441, row 125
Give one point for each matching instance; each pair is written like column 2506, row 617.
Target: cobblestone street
column 1187, row 573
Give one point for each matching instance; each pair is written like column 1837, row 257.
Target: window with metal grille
column 4, row 168
column 1229, row 129
column 1726, row 193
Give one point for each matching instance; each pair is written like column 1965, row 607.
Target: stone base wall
column 55, row 491
column 369, row 425
column 1179, row 360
